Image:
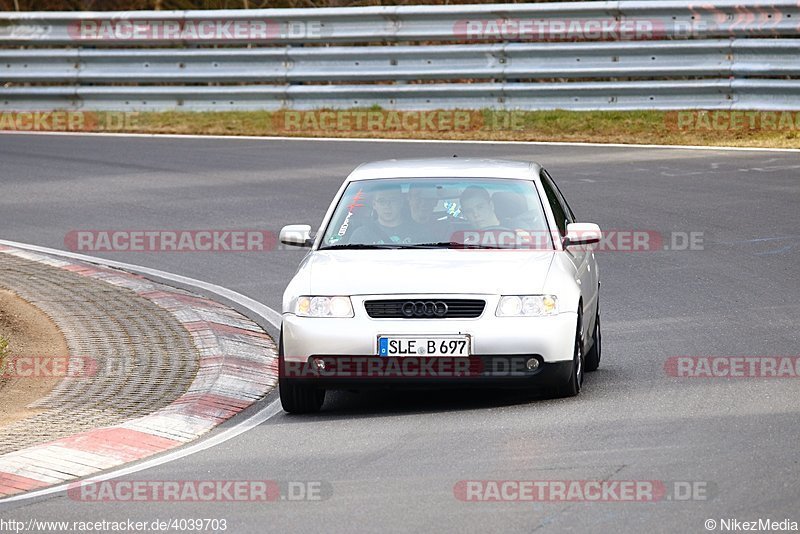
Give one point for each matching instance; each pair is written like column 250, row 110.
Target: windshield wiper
column 441, row 244
column 356, row 246
column 449, row 244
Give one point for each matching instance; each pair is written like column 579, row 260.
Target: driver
column 477, row 207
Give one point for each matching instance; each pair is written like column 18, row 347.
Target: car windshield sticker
column 394, row 239
column 355, row 204
column 452, row 208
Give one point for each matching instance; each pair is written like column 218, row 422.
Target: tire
column 593, row 356
column 297, row 398
column 573, row 386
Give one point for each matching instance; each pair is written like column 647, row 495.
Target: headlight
column 527, row 306
column 323, row 307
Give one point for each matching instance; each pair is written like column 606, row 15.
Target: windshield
column 438, row 213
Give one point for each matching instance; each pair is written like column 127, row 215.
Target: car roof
column 445, row 168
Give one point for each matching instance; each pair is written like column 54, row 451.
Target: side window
column 568, row 211
column 552, row 198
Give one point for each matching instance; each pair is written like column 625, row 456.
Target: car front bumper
column 501, row 348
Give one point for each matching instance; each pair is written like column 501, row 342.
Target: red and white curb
column 238, row 365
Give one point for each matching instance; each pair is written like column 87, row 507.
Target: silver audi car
column 441, row 272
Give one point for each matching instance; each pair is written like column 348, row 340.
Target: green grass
column 640, row 127
column 645, row 127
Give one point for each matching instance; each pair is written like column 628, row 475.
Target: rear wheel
column 593, row 356
column 297, row 398
column 573, row 386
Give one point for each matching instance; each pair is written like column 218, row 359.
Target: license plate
column 423, row 346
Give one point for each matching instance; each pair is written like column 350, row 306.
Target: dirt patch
column 30, row 334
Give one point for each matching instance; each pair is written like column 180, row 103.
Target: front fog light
column 527, row 306
column 324, row 307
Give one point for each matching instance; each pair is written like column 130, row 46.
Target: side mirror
column 298, row 235
column 582, row 234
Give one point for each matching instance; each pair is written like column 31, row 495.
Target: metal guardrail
column 498, row 62
column 689, row 94
column 671, row 70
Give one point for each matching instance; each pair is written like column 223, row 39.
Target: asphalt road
column 390, row 460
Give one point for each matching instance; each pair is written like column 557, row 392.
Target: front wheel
column 573, row 385
column 297, row 398
column 593, row 356
column 300, row 398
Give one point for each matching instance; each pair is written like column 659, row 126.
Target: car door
column 581, row 257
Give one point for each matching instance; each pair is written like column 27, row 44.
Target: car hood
column 371, row 272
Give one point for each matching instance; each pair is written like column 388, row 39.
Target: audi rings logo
column 426, row 308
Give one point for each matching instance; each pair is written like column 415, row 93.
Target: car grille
column 394, row 308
